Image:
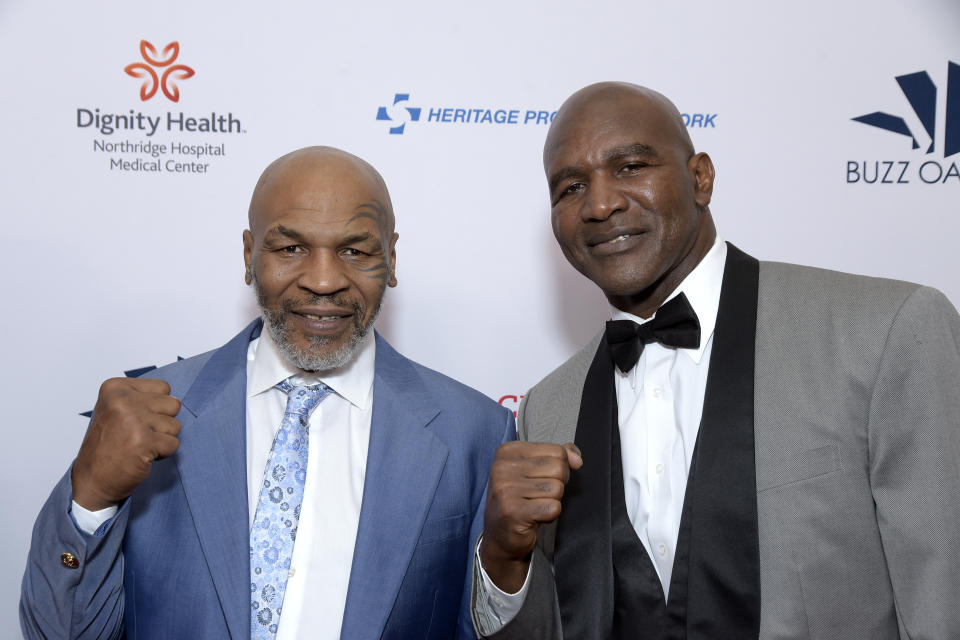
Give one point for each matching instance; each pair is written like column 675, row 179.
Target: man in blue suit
column 303, row 481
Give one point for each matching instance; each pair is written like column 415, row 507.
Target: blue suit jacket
column 174, row 561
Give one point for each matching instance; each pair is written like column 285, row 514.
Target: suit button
column 69, row 560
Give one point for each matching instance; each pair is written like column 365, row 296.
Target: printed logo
column 155, row 64
column 511, row 402
column 153, row 139
column 920, row 92
column 399, row 115
column 402, row 114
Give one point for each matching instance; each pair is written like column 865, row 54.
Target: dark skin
column 630, row 209
column 322, row 244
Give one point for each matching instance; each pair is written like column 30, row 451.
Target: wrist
column 508, row 572
column 88, row 497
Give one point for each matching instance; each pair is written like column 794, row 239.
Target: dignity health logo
column 156, row 63
column 157, row 140
column 920, row 93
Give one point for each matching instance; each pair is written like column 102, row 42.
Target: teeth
column 313, row 317
column 620, row 238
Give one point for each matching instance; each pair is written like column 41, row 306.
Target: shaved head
column 594, row 99
column 333, row 167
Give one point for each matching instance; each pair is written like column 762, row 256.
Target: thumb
column 574, row 457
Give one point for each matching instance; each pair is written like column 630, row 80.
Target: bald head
column 604, row 104
column 305, row 177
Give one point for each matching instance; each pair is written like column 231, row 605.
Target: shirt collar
column 353, row 381
column 702, row 288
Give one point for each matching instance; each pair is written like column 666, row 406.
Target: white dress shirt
column 659, row 404
column 316, row 590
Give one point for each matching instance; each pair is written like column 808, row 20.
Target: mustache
column 335, row 300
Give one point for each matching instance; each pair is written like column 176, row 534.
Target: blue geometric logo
column 401, row 114
column 921, row 93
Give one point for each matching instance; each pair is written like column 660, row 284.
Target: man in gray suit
column 775, row 454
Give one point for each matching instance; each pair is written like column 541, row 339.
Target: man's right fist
column 133, row 424
column 526, row 484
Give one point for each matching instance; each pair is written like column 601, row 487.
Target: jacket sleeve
column 465, row 626
column 914, row 444
column 78, row 598
column 539, row 615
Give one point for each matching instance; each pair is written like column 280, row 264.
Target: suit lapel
column 723, row 597
column 211, row 462
column 404, row 464
column 582, row 560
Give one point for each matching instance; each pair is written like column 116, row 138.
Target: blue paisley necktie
column 278, row 509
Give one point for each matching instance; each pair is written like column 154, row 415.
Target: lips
column 613, row 236
column 322, row 320
column 614, row 241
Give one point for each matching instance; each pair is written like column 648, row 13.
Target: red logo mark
column 511, row 400
column 165, row 82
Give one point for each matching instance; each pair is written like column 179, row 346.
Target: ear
column 702, row 174
column 392, row 280
column 247, row 255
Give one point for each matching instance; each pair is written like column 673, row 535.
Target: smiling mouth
column 623, row 237
column 310, row 316
column 617, row 244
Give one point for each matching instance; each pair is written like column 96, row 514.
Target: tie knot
column 303, row 399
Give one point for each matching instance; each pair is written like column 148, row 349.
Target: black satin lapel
column 676, row 608
column 723, row 598
column 583, row 566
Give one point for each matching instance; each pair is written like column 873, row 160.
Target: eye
column 571, row 189
column 293, row 248
column 353, row 251
column 632, row 167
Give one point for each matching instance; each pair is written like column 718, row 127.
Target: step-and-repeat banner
column 132, row 137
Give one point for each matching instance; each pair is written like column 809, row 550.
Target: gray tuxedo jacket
column 857, row 449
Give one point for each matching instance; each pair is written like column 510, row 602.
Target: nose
column 604, row 198
column 323, row 273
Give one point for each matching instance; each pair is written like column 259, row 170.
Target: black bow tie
column 675, row 325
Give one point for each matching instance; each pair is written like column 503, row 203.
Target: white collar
column 353, row 381
column 702, row 288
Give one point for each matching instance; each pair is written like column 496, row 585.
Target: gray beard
column 316, row 356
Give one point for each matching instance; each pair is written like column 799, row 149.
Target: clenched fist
column 133, row 424
column 526, row 484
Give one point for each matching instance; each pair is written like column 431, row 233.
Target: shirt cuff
column 90, row 521
column 495, row 608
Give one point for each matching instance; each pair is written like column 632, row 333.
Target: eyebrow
column 281, row 230
column 359, row 237
column 631, row 151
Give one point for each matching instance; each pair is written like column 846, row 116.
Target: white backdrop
column 107, row 269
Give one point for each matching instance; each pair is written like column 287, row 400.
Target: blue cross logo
column 401, row 114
